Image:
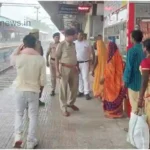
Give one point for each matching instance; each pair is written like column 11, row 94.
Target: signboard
column 68, row 9
column 83, row 9
column 142, row 10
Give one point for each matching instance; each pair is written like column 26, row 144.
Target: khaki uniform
column 66, row 54
column 40, row 50
column 39, row 47
column 52, row 65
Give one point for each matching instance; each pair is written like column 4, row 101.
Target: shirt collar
column 137, row 45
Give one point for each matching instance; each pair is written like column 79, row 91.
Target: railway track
column 7, row 77
column 7, row 72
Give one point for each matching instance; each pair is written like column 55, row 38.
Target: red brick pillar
column 130, row 27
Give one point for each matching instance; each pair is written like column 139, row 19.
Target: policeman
column 39, row 48
column 51, row 62
column 67, row 72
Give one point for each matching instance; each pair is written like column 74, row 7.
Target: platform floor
column 86, row 129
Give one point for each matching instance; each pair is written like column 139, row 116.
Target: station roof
column 8, row 20
column 61, row 20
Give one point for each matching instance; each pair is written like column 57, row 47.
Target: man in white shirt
column 31, row 75
column 83, row 50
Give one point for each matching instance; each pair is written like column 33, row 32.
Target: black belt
column 83, row 61
column 53, row 59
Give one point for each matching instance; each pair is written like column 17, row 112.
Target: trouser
column 69, row 76
column 52, row 75
column 24, row 100
column 84, row 81
column 133, row 97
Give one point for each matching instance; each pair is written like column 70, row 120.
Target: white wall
column 97, row 25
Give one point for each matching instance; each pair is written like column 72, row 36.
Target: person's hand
column 102, row 81
column 58, row 75
column 20, row 48
column 126, row 85
column 47, row 63
column 140, row 103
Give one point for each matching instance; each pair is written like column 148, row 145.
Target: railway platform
column 86, row 129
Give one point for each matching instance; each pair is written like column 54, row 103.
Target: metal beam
column 51, row 7
column 19, row 4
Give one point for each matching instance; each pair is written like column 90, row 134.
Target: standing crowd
column 70, row 61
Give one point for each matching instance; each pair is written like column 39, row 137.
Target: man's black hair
column 29, row 41
column 56, row 34
column 80, row 31
column 146, row 44
column 137, row 35
column 70, row 32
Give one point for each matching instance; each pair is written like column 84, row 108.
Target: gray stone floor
column 86, row 129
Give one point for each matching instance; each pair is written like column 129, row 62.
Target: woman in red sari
column 114, row 91
column 144, row 97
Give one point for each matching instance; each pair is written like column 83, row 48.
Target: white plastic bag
column 138, row 134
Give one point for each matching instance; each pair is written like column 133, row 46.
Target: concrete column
column 88, row 26
column 97, row 25
column 82, row 20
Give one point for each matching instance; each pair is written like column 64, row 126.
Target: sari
column 99, row 70
column 145, row 65
column 114, row 91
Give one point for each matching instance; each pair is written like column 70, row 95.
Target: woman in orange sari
column 114, row 91
column 99, row 66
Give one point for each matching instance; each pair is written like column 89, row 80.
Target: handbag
column 138, row 134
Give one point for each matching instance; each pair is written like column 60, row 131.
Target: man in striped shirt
column 132, row 76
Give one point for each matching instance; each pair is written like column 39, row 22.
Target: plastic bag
column 138, row 134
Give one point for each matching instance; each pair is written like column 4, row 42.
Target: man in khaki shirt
column 67, row 72
column 38, row 48
column 51, row 61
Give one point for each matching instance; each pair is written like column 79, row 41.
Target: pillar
column 130, row 27
column 130, row 22
column 88, row 26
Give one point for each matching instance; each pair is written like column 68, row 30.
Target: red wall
column 130, row 22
